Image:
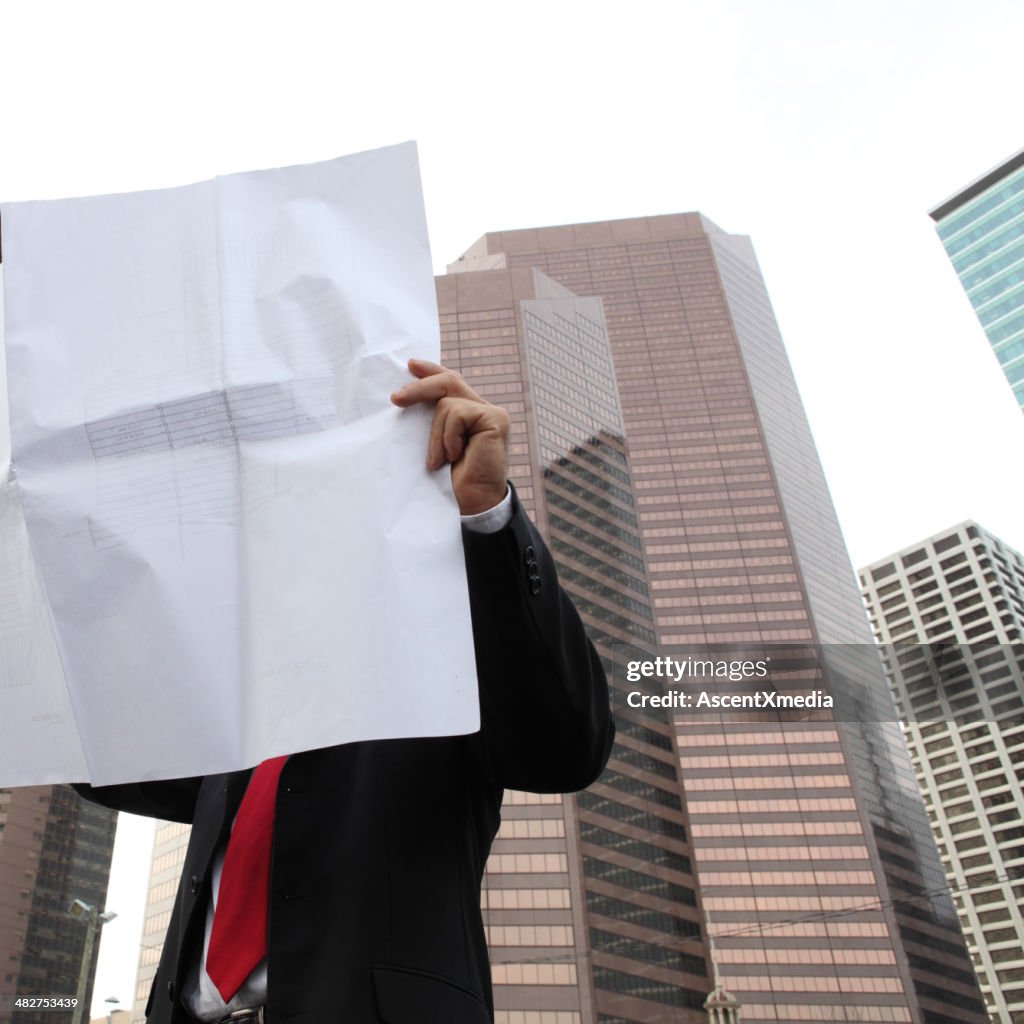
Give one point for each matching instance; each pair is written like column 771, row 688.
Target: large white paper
column 218, row 538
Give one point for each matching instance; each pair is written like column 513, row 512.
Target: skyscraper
column 982, row 229
column 660, row 442
column 950, row 614
column 170, row 843
column 591, row 905
column 55, row 848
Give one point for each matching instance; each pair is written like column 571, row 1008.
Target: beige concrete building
column 949, row 612
column 170, row 842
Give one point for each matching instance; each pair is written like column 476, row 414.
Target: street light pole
column 94, row 921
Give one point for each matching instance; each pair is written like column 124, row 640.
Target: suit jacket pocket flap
column 416, row 997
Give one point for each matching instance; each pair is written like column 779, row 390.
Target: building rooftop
column 976, row 187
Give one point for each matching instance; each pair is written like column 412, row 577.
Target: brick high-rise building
column 55, row 848
column 660, row 443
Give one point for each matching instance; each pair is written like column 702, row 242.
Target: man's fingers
column 452, row 421
column 456, row 426
column 434, row 383
column 425, row 368
column 466, row 431
column 435, row 446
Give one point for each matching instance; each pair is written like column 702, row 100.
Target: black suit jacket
column 379, row 847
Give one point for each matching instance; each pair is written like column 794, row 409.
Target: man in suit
column 377, row 849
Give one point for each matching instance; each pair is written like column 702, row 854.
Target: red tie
column 238, row 941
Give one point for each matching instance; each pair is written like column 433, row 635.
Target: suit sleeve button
column 535, row 586
column 170, row 991
column 528, row 554
column 193, row 884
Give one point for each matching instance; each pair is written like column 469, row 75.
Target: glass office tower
column 590, row 902
column 660, row 442
column 982, row 229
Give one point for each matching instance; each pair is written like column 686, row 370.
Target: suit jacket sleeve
column 173, row 800
column 545, row 718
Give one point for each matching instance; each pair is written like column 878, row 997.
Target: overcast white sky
column 824, row 129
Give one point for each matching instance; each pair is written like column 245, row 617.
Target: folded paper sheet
column 218, row 540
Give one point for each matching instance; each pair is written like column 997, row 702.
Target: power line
column 760, row 929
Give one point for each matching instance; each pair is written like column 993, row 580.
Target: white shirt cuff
column 493, row 519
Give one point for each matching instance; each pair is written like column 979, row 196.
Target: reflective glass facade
column 806, row 844
column 982, row 229
column 590, row 902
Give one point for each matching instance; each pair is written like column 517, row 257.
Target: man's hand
column 467, row 431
